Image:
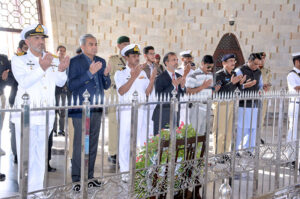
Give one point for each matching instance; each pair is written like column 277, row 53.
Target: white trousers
column 36, row 163
column 198, row 122
column 246, row 138
column 124, row 141
column 293, row 115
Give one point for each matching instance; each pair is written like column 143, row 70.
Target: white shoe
column 2, row 152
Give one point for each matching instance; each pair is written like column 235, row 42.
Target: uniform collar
column 225, row 71
column 296, row 69
column 29, row 53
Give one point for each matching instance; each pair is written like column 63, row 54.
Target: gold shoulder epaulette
column 113, row 56
column 21, row 53
column 122, row 68
column 55, row 56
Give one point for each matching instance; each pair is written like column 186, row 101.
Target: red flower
column 178, row 131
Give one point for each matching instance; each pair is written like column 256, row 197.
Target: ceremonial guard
column 116, row 62
column 129, row 79
column 37, row 74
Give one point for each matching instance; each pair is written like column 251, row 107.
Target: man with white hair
column 87, row 72
column 37, row 73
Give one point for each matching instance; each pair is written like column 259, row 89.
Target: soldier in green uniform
column 116, row 62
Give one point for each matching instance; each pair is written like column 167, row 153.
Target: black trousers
column 95, row 123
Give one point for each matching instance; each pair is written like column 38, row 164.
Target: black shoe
column 262, row 141
column 2, row 177
column 76, row 187
column 51, row 169
column 54, row 133
column 15, row 159
column 94, row 183
column 112, row 159
column 62, row 133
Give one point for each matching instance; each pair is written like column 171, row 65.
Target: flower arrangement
column 153, row 146
column 150, row 179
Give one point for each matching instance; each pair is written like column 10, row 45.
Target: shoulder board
column 122, row 68
column 293, row 71
column 113, row 56
column 21, row 53
column 55, row 56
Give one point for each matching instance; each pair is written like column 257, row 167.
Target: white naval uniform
column 40, row 86
column 293, row 80
column 140, row 85
column 195, row 80
column 180, row 70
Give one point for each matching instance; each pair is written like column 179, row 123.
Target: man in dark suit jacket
column 87, row 72
column 164, row 85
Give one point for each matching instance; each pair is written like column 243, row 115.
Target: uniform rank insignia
column 142, row 77
column 30, row 64
column 21, row 53
column 122, row 68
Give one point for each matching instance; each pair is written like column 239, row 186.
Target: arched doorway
column 228, row 44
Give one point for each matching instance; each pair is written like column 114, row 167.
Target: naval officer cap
column 131, row 49
column 228, row 56
column 186, row 53
column 296, row 55
column 35, row 29
column 123, row 39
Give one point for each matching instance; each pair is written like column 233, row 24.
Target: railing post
column 133, row 138
column 207, row 133
column 172, row 146
column 236, row 97
column 279, row 139
column 257, row 141
column 85, row 140
column 24, row 146
column 46, row 150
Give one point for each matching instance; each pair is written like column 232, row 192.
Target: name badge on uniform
column 227, row 79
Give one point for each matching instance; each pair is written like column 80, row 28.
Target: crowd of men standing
column 45, row 77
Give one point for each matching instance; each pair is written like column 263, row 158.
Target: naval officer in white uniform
column 37, row 73
column 293, row 82
column 129, row 79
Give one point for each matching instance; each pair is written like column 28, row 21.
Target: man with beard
column 129, row 79
column 37, row 74
column 164, row 85
column 150, row 65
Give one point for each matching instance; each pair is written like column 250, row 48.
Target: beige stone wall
column 174, row 25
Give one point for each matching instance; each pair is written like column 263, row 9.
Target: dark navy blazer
column 79, row 80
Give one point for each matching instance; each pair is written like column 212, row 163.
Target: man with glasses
column 200, row 81
column 247, row 112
